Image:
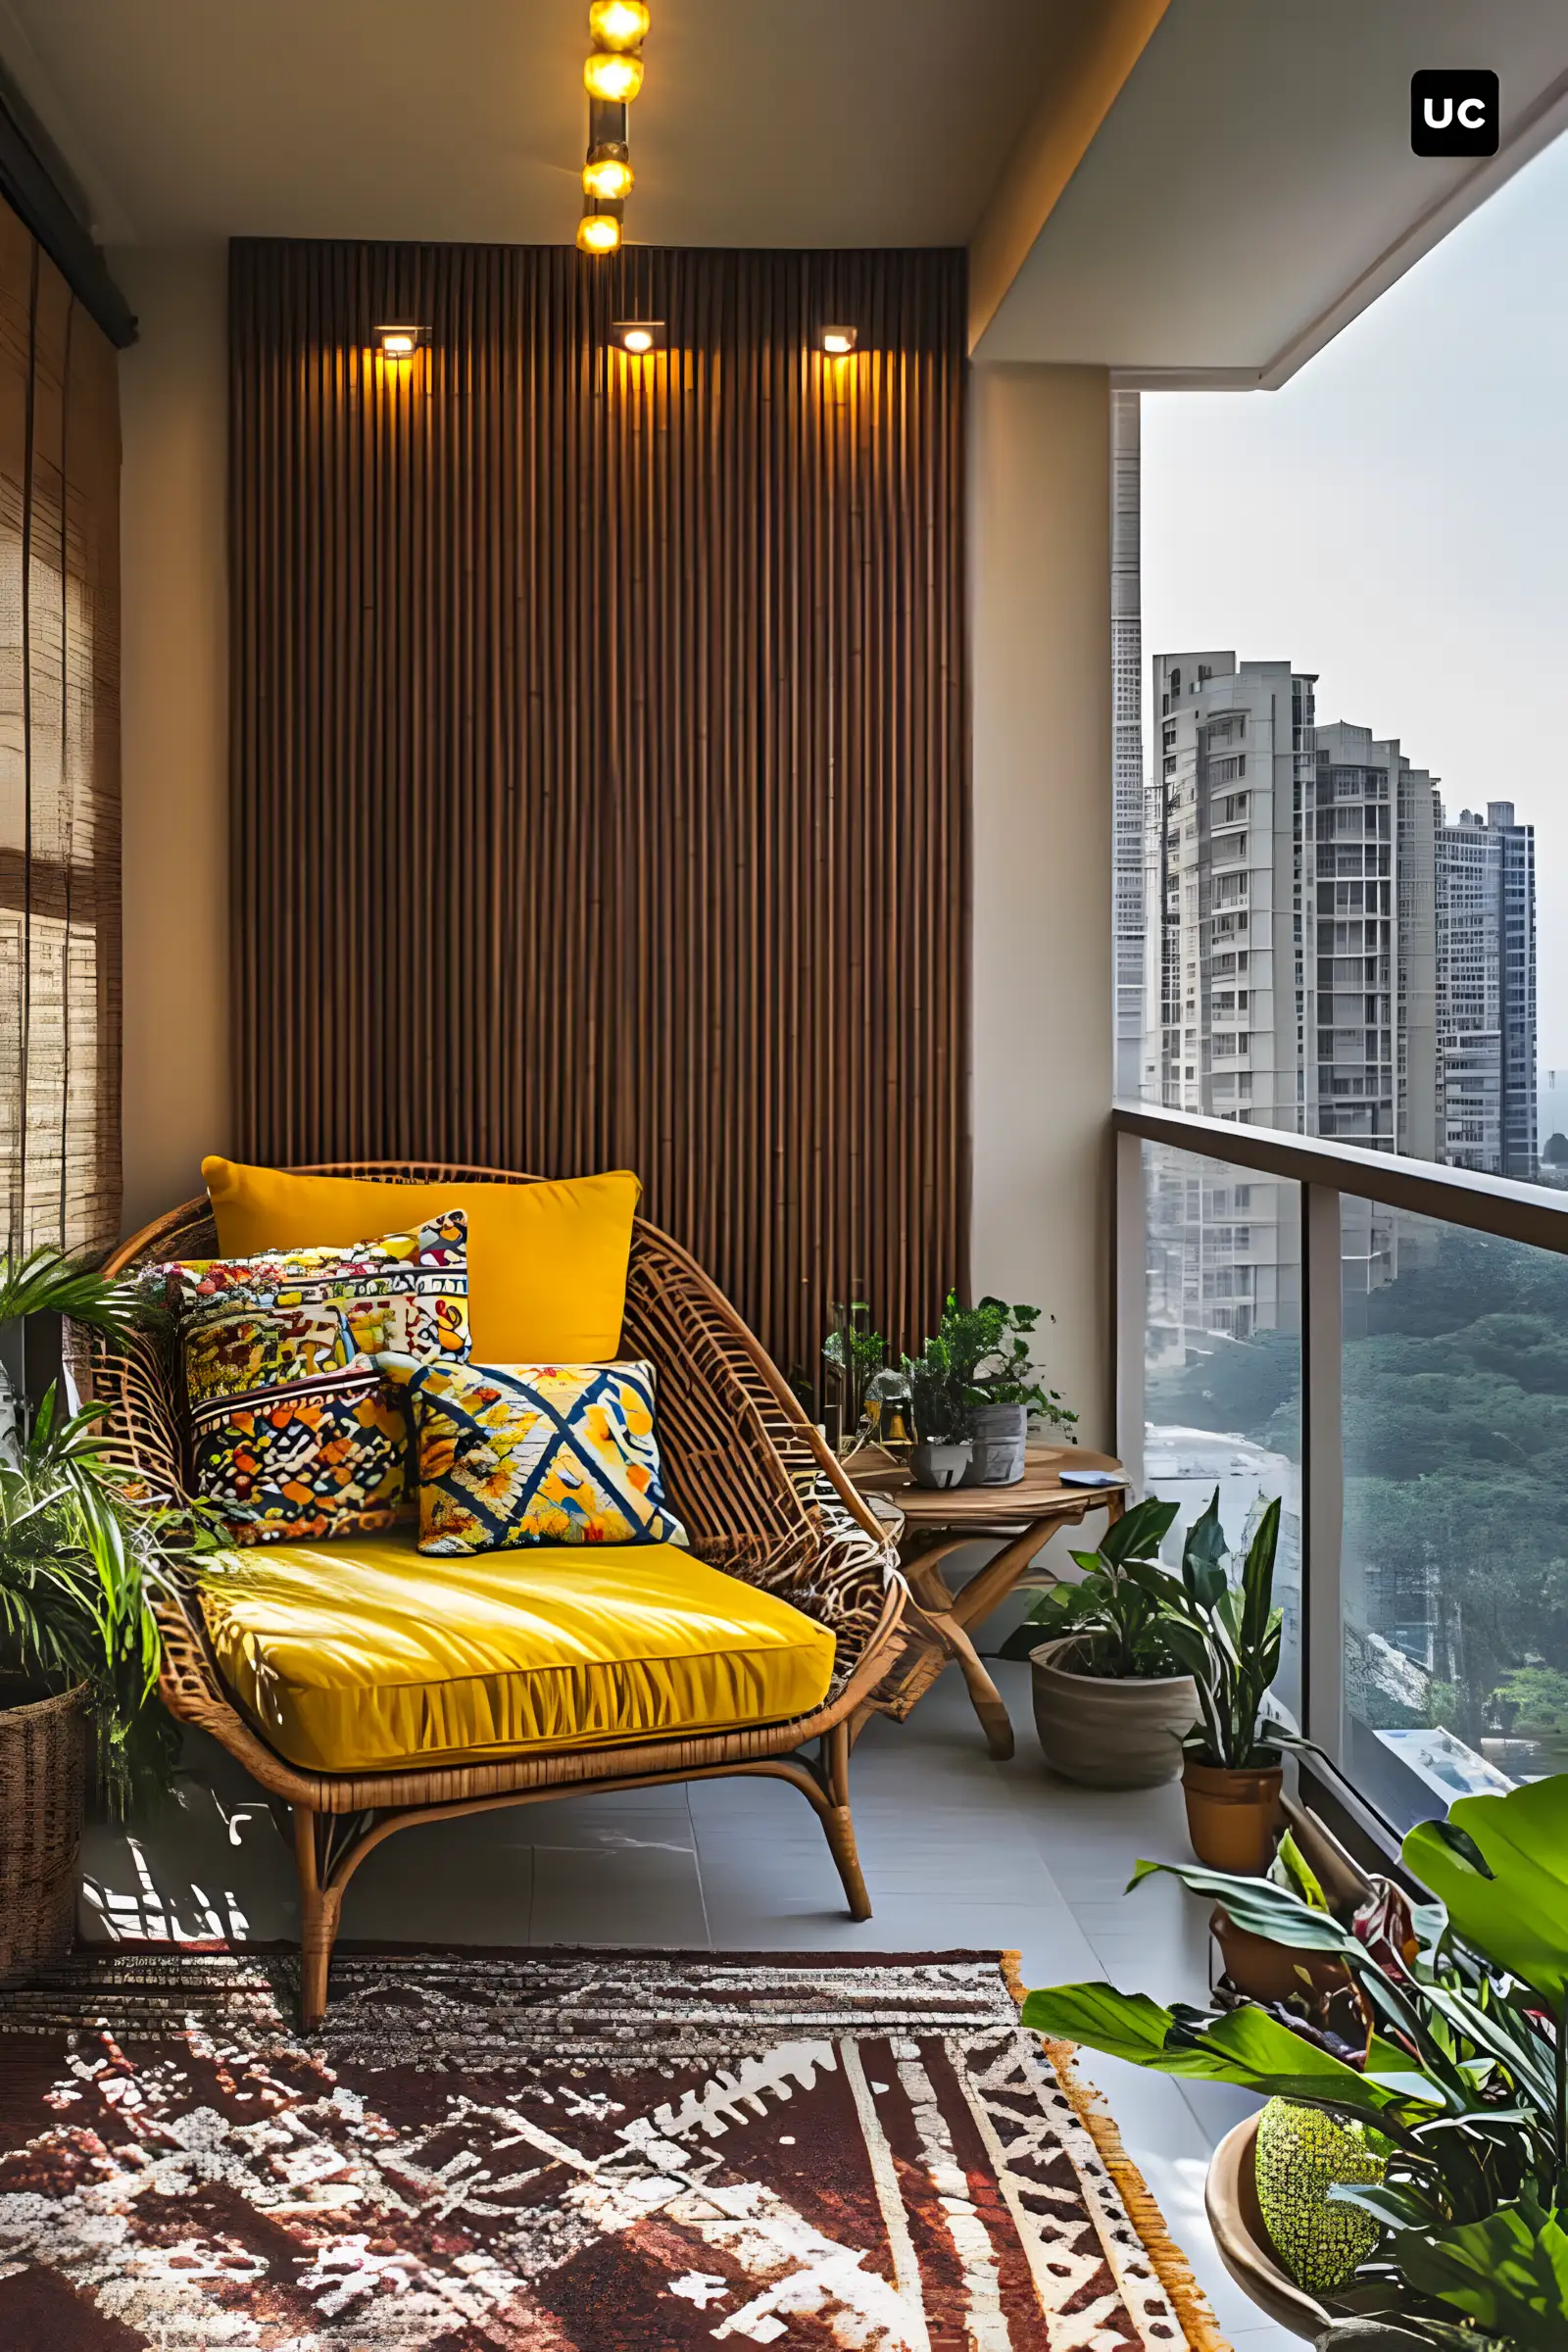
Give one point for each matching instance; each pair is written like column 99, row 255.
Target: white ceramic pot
column 1104, row 1734
column 939, row 1465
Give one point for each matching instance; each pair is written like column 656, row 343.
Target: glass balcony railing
column 1383, row 1344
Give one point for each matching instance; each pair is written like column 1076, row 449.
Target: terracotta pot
column 1110, row 1735
column 939, row 1465
column 1000, row 1435
column 1233, row 1818
column 1268, row 1972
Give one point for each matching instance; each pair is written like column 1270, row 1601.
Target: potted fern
column 79, row 1649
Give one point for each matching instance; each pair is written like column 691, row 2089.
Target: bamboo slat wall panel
column 600, row 755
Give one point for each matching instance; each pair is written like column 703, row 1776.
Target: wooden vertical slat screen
column 599, row 756
column 58, row 759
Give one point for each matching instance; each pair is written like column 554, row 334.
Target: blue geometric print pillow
column 514, row 1454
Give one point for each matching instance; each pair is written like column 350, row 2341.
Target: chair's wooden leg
column 837, row 1822
column 319, row 1907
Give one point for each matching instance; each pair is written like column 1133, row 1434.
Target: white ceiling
column 762, row 122
column 1253, row 185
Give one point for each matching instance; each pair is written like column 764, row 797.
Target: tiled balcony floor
column 958, row 1852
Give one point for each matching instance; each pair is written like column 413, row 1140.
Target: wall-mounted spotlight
column 838, row 341
column 639, row 335
column 618, row 24
column 400, row 340
column 598, row 229
column 614, row 75
column 608, row 173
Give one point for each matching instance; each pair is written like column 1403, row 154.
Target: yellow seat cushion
column 547, row 1262
column 362, row 1654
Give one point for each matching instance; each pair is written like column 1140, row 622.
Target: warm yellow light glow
column 609, row 178
column 399, row 342
column 397, row 347
column 838, row 340
column 598, row 232
column 638, row 338
column 618, row 24
column 616, row 79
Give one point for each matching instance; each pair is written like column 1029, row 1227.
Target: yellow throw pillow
column 547, row 1262
column 514, row 1454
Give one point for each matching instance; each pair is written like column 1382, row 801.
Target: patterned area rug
column 564, row 2153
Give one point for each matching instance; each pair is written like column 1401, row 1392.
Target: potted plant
column 941, row 1397
column 79, row 1649
column 1112, row 1703
column 1227, row 1636
column 1451, row 2059
column 1005, row 1372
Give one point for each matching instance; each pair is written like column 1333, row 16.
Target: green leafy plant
column 1119, row 1612
column 79, row 1562
column 1226, row 1636
column 1455, row 2052
column 856, row 1354
column 978, row 1356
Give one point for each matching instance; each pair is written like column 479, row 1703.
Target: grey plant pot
column 939, row 1465
column 1108, row 1735
column 998, row 1433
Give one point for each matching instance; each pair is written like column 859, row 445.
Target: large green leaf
column 1246, row 2047
column 1499, row 1864
column 1140, row 1532
column 1508, row 2273
column 1261, row 1907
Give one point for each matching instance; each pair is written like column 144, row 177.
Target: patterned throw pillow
column 512, row 1454
column 297, row 1435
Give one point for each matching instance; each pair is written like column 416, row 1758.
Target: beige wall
column 173, row 724
column 1042, row 1004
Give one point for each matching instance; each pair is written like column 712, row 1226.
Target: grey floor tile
column 609, row 1894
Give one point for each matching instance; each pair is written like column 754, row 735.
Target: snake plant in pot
column 1441, row 2068
column 79, row 1648
column 1227, row 1636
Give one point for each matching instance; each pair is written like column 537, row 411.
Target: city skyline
column 1327, row 947
column 1393, row 519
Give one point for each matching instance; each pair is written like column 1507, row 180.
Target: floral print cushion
column 516, row 1455
column 296, row 1434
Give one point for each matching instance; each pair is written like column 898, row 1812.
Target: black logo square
column 1453, row 111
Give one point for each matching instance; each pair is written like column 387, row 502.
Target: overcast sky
column 1397, row 519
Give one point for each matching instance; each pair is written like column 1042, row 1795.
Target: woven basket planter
column 43, row 1776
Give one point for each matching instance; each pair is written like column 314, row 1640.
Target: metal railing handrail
column 1498, row 1204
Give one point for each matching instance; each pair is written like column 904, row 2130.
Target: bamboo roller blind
column 58, row 759
column 600, row 743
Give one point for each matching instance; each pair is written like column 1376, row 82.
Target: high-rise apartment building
column 1486, row 990
column 1127, row 741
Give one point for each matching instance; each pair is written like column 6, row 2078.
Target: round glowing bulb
column 837, row 344
column 610, row 179
column 608, row 75
column 598, row 232
column 397, row 347
column 638, row 338
column 618, row 24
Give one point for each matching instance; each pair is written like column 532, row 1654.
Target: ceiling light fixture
column 598, row 229
column 608, row 173
column 400, row 340
column 618, row 24
column 839, row 341
column 639, row 335
column 614, row 76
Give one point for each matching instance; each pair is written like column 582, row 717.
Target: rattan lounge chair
column 761, row 1496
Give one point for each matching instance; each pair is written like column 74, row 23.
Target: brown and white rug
column 564, row 2153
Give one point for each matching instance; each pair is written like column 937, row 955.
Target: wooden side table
column 940, row 1519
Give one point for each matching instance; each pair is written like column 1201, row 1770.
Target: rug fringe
column 1171, row 2267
